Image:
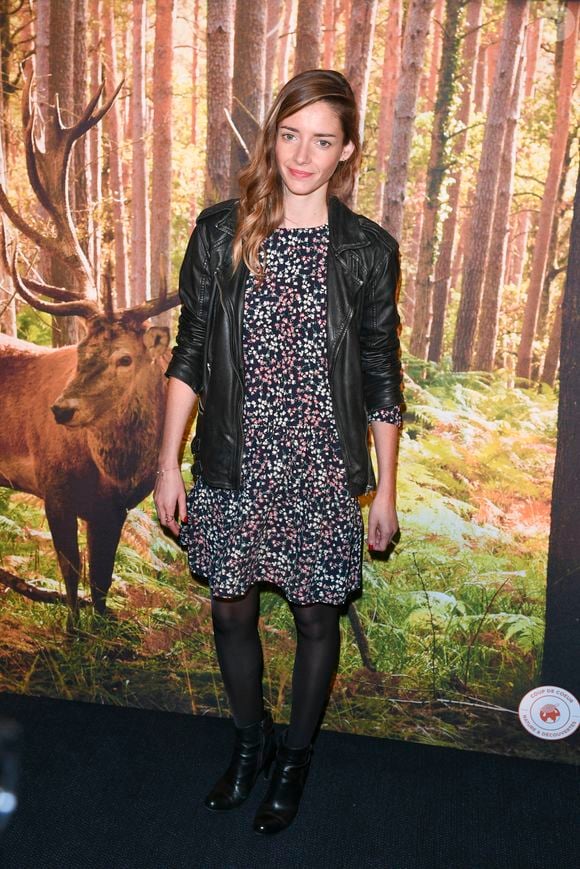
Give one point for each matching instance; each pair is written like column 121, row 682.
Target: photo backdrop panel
column 471, row 161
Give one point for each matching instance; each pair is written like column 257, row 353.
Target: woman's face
column 309, row 145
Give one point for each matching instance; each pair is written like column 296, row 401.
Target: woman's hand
column 169, row 497
column 382, row 523
column 169, row 493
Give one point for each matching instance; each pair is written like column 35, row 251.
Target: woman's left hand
column 383, row 522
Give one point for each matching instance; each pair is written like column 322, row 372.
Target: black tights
column 239, row 651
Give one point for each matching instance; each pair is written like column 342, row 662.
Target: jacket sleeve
column 194, row 287
column 379, row 334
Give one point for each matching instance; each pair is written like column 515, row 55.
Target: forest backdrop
column 470, row 133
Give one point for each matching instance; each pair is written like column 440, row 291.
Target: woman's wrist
column 167, row 461
column 160, row 472
column 386, row 493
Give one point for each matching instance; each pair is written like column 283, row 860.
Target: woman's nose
column 302, row 153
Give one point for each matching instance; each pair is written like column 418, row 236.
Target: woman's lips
column 298, row 174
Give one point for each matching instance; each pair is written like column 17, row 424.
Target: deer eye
column 125, row 361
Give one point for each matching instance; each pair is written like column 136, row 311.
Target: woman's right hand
column 169, row 498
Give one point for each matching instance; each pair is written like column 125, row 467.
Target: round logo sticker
column 549, row 712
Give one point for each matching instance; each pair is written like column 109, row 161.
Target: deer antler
column 57, row 293
column 78, row 308
column 151, row 307
column 47, row 168
column 48, row 175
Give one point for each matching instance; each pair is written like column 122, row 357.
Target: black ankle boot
column 280, row 805
column 254, row 751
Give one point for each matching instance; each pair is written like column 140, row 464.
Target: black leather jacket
column 362, row 341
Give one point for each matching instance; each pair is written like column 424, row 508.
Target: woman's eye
column 324, row 143
column 287, row 136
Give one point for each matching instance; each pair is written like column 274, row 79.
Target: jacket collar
column 344, row 225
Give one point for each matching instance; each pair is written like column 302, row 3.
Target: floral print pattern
column 292, row 522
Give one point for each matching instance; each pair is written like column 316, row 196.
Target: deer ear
column 156, row 340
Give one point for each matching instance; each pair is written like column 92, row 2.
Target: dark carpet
column 102, row 786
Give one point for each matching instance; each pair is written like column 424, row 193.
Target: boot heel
column 234, row 786
column 280, row 804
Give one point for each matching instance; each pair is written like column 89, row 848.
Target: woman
column 288, row 334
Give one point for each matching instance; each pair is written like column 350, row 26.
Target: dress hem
column 280, row 588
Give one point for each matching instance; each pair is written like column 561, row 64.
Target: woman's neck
column 301, row 211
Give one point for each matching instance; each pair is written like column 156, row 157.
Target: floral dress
column 292, row 522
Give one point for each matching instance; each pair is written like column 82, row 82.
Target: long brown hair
column 261, row 191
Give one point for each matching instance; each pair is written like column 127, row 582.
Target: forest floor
column 453, row 619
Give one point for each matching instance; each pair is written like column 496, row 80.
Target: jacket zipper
column 333, row 362
column 210, row 320
column 337, row 415
column 241, row 379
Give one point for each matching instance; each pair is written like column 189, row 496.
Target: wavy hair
column 261, row 191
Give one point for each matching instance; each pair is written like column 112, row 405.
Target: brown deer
column 80, row 424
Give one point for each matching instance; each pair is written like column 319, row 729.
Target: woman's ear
column 346, row 152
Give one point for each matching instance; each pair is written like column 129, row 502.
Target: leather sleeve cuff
column 181, row 370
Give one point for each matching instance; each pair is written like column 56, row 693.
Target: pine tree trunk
column 125, row 106
column 389, row 78
column 560, row 207
column 520, row 228
column 562, row 637
column 140, row 277
column 552, row 356
column 285, row 41
column 195, row 72
column 437, row 169
column 220, row 43
column 443, row 267
column 61, row 58
column 41, row 53
column 162, row 148
column 477, row 244
column 517, row 246
column 79, row 155
column 248, row 83
column 495, row 271
column 329, row 25
column 459, row 253
column 7, row 300
column 273, row 27
column 533, row 38
column 487, row 47
column 359, row 52
column 541, row 245
column 415, row 207
column 113, row 127
column 358, row 62
column 429, row 79
column 41, row 75
column 414, row 41
column 490, row 65
column 479, row 84
column 308, row 35
column 94, row 147
column 518, row 241
column 345, row 7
